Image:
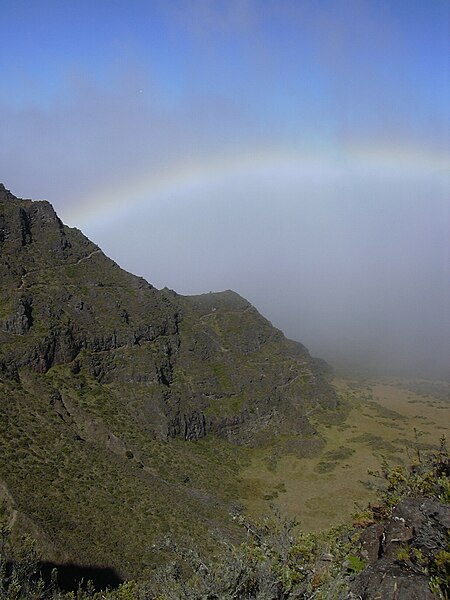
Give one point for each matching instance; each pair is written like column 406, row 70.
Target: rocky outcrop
column 399, row 551
column 190, row 427
column 21, row 321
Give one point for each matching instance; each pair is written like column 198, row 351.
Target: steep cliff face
column 62, row 294
column 216, row 363
column 105, row 377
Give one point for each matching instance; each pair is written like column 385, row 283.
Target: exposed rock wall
column 419, row 527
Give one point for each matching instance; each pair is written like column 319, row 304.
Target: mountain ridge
column 106, row 378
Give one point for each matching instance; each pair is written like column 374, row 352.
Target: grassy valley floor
column 388, row 419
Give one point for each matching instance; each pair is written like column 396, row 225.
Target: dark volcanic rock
column 21, row 321
column 387, row 580
column 189, row 427
column 425, row 523
column 417, row 523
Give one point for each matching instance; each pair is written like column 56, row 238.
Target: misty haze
column 355, row 265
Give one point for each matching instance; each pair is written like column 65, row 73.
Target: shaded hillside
column 106, row 382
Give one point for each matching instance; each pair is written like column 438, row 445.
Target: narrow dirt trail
column 80, row 260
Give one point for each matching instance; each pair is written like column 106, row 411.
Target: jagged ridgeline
column 127, row 412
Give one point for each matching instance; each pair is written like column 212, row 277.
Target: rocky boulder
column 400, row 551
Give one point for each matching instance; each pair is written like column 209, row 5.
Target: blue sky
column 262, row 145
column 355, row 65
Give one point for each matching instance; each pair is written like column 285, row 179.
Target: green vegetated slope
column 395, row 548
column 127, row 412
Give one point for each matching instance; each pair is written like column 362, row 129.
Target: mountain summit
column 106, row 382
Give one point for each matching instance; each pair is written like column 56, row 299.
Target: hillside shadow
column 70, row 576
